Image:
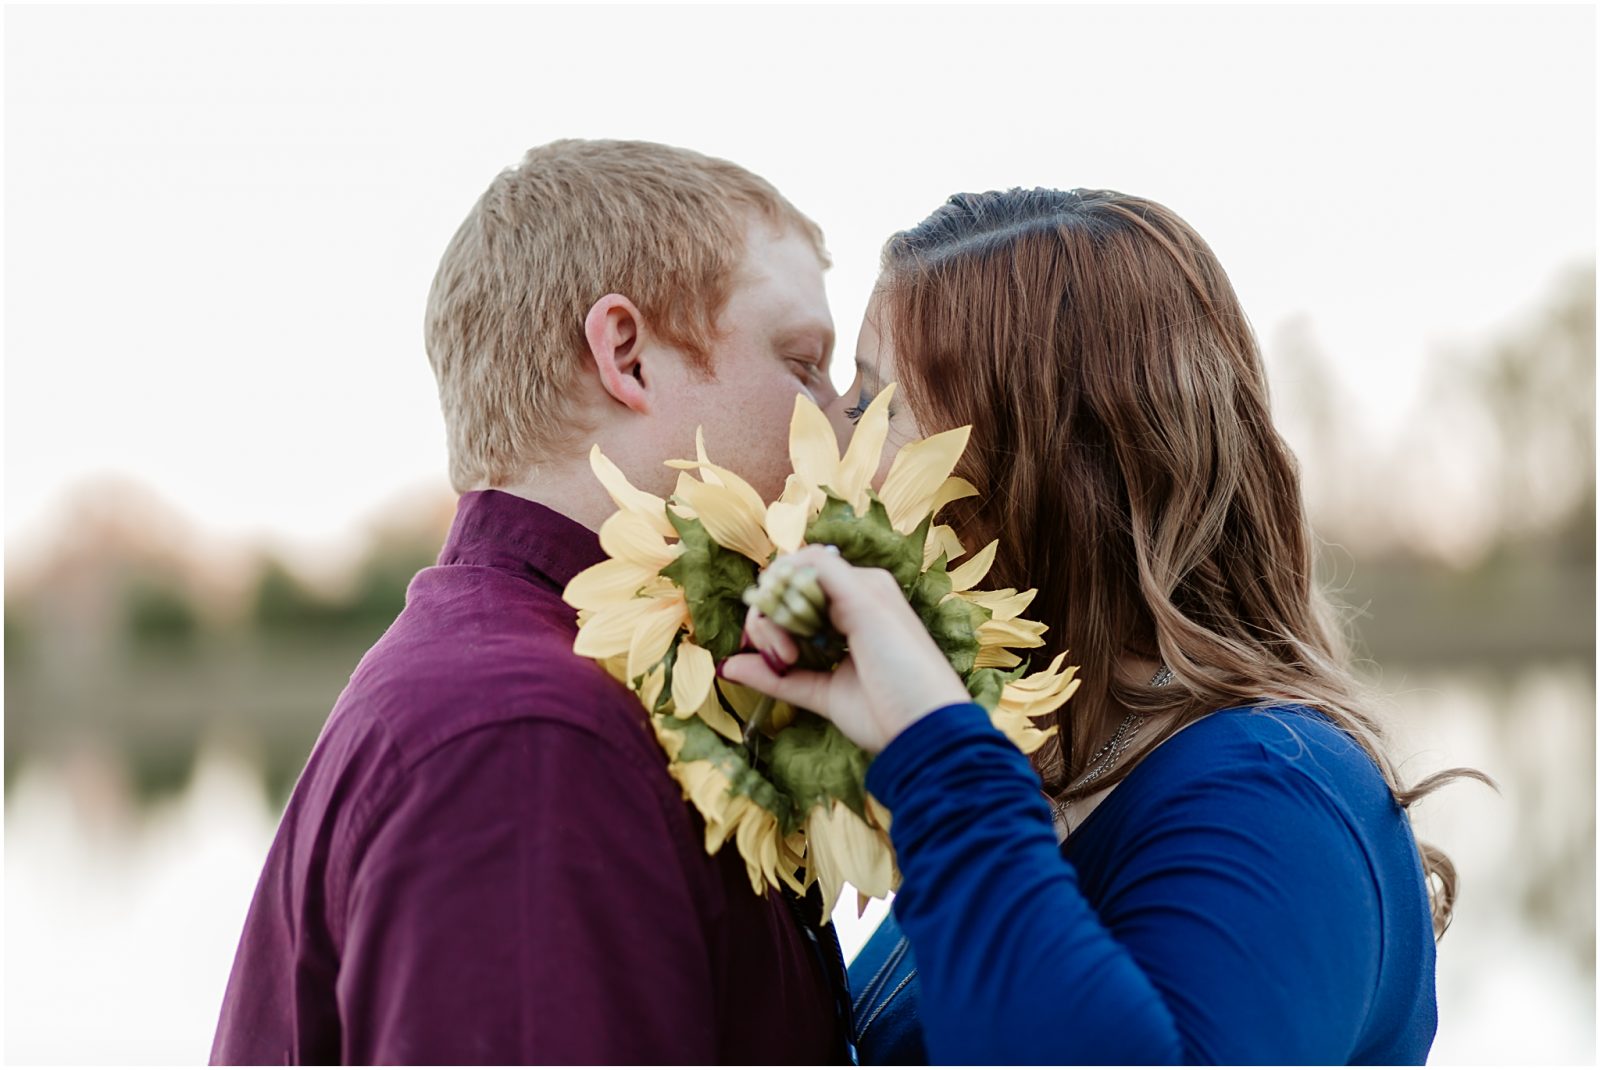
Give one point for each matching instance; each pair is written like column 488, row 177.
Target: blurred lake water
column 122, row 918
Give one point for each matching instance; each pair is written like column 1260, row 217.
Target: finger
column 855, row 595
column 800, row 688
column 765, row 635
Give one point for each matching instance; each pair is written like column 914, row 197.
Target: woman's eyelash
column 854, row 412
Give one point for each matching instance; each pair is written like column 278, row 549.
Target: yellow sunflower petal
column 1003, row 604
column 670, row 735
column 941, row 540
column 791, row 860
column 1046, row 676
column 920, row 470
column 1037, row 704
column 757, row 839
column 650, row 687
column 823, row 864
column 719, row 719
column 735, row 483
column 993, row 657
column 781, row 717
column 629, row 498
column 727, row 824
column 706, row 787
column 744, row 700
column 1014, row 632
column 952, row 490
column 719, row 477
column 680, row 504
column 616, row 667
column 702, row 460
column 654, row 632
column 608, row 582
column 860, row 461
column 795, row 491
column 731, row 519
column 692, row 674
column 813, row 447
column 609, row 631
column 786, row 525
column 878, row 813
column 849, row 850
column 1024, row 735
column 971, row 572
column 628, row 536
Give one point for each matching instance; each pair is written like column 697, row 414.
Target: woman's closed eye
column 854, row 412
column 863, row 402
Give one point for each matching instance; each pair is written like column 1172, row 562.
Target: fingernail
column 774, row 663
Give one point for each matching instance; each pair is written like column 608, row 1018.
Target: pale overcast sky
column 222, row 222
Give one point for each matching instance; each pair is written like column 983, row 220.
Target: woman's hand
column 894, row 675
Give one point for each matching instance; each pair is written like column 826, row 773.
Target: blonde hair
column 575, row 220
column 1120, row 428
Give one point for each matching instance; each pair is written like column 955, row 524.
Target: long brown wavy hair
column 1131, row 470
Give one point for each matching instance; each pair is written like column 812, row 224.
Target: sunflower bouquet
column 783, row 783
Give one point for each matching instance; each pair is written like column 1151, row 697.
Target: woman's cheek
column 891, row 449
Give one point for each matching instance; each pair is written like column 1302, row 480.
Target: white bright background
column 221, row 224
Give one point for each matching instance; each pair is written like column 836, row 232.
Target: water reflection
column 1517, row 969
column 122, row 921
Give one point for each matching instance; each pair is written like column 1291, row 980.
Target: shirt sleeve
column 1239, row 925
column 522, row 899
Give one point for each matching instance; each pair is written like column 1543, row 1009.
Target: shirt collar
column 500, row 530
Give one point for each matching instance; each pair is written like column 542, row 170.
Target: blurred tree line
column 1472, row 541
column 128, row 643
column 1471, row 538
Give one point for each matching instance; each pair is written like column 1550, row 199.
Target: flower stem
column 758, row 721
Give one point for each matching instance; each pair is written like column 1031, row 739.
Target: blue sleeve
column 1223, row 935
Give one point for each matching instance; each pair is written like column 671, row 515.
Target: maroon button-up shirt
column 485, row 860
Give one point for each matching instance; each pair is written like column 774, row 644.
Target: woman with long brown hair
column 1248, row 889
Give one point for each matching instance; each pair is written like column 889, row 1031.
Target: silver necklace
column 1113, row 748
column 1102, row 761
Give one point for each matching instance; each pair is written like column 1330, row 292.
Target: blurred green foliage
column 161, row 671
column 162, row 675
column 159, row 613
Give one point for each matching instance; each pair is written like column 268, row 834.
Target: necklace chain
column 1111, row 750
column 1102, row 761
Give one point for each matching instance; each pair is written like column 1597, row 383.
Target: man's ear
column 614, row 328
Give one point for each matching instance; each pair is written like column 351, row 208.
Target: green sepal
column 668, row 662
column 953, row 622
column 869, row 541
column 931, row 587
column 811, row 761
column 702, row 743
column 986, row 685
column 713, row 580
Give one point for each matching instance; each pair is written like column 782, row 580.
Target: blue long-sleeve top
column 1250, row 893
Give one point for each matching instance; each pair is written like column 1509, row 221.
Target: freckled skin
column 760, row 365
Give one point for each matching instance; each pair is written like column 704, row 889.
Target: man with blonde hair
column 485, row 860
